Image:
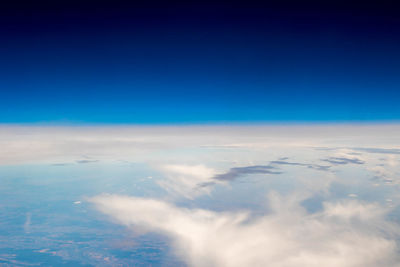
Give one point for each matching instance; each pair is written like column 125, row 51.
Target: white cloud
column 347, row 233
column 46, row 144
column 185, row 180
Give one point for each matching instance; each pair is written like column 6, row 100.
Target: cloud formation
column 234, row 173
column 84, row 161
column 395, row 151
column 347, row 234
column 343, row 160
column 282, row 161
column 184, row 180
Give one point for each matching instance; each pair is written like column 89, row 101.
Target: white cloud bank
column 347, row 233
column 58, row 144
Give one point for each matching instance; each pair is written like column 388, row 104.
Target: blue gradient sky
column 97, row 62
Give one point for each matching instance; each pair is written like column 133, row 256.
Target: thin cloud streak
column 311, row 166
column 343, row 160
column 85, row 161
column 234, row 173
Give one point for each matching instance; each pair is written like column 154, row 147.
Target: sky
column 198, row 62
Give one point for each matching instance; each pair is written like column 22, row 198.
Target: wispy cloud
column 352, row 150
column 395, row 151
column 234, row 173
column 343, row 160
column 184, row 180
column 60, row 164
column 84, row 161
column 283, row 161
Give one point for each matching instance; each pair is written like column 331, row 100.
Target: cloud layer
column 346, row 233
column 319, row 167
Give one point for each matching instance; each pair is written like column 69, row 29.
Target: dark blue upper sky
column 181, row 62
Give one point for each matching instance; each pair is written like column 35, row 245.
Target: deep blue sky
column 180, row 62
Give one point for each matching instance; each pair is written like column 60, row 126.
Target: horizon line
column 203, row 123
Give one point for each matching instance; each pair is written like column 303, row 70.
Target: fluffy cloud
column 347, row 233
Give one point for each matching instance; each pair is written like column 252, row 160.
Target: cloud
column 378, row 150
column 387, row 172
column 234, row 173
column 283, row 161
column 191, row 181
column 83, row 161
column 319, row 167
column 343, row 160
column 60, row 164
column 395, row 151
column 347, row 233
column 49, row 144
column 184, row 180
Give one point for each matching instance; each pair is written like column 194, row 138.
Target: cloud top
column 346, row 233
